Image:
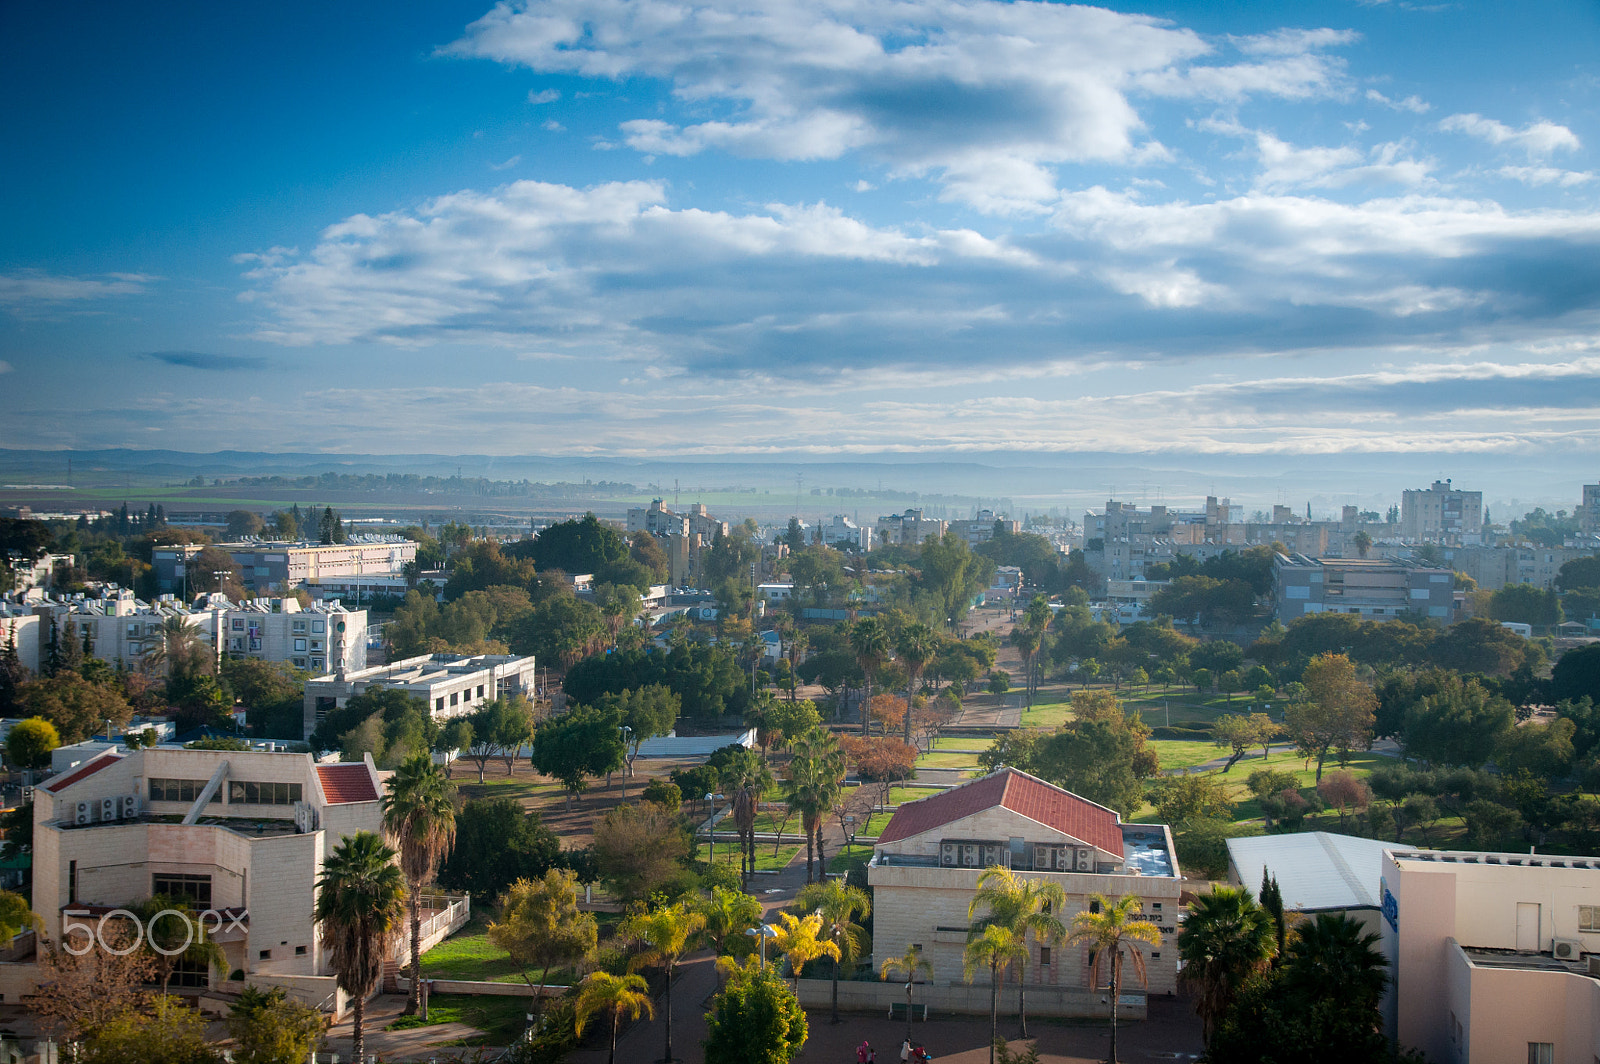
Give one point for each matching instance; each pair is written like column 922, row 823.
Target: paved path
column 415, row 1043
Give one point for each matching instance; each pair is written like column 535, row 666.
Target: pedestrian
column 863, row 1051
column 905, row 1050
column 872, row 1055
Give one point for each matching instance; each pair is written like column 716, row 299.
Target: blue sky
column 631, row 227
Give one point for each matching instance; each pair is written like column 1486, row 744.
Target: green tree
column 839, row 904
column 1194, row 796
column 610, row 996
column 869, row 641
column 756, row 1019
column 1242, row 733
column 1109, row 928
column 1101, row 754
column 909, row 964
column 169, row 1033
column 1226, row 938
column 1577, row 674
column 666, row 932
column 951, row 575
column 646, row 712
column 29, row 743
column 75, row 706
column 583, row 743
column 639, row 847
column 541, row 926
column 812, row 785
column 1545, row 750
column 1023, row 907
column 498, row 842
column 273, row 1028
column 359, row 908
column 995, row 948
column 419, row 816
column 585, row 545
column 1526, row 604
column 1460, row 724
column 729, row 914
column 916, row 646
column 1337, row 711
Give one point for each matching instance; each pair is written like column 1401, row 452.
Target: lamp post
column 627, row 766
column 767, row 931
column 849, row 832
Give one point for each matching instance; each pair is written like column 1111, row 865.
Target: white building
column 323, row 636
column 451, row 684
column 1441, row 513
column 841, row 533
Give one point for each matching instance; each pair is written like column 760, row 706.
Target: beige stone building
column 451, row 684
column 926, row 865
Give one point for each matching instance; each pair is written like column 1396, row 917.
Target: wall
column 1501, row 1010
column 969, row 1000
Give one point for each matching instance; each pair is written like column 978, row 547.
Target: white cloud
column 31, row 291
column 553, row 126
column 1546, row 175
column 1415, row 104
column 1537, row 138
column 6, row 367
column 1285, row 166
column 864, row 186
column 544, row 96
column 508, row 164
column 982, row 95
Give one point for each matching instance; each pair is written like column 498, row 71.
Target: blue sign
column 1390, row 906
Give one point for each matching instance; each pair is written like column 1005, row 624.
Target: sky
column 820, row 227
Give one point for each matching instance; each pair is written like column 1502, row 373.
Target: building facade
column 1375, row 590
column 321, row 637
column 1442, row 513
column 452, row 684
column 285, row 566
column 911, row 527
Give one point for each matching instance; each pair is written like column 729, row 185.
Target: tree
column 497, row 842
column 799, row 939
column 1225, row 939
column 1193, row 796
column 1362, row 541
column 1241, row 734
column 1022, row 907
column 951, row 575
column 811, row 785
column 646, row 712
column 359, row 908
column 666, row 932
column 583, row 743
column 917, row 646
column 638, row 847
column 1577, row 674
column 909, row 964
column 29, row 743
column 993, row 947
column 272, row 692
column 1545, row 750
column 745, row 778
column 177, row 937
column 869, row 641
column 1109, row 927
column 242, row 523
column 169, row 1033
column 1337, row 711
column 75, row 706
column 1346, row 794
column 756, row 1019
column 729, row 914
column 1526, row 604
column 273, row 1028
column 839, row 904
column 419, row 816
column 1101, row 754
column 1205, row 600
column 607, row 995
column 1461, row 723
column 541, row 926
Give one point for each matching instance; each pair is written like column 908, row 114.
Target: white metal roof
column 1316, row 870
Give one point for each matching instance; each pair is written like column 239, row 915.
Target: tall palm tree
column 605, row 994
column 177, row 649
column 994, row 947
column 838, row 904
column 869, row 641
column 1026, row 640
column 908, row 964
column 666, row 932
column 1109, row 926
column 1226, row 938
column 918, row 644
column 729, row 914
column 419, row 816
column 798, row 939
column 360, row 905
column 1023, row 907
column 745, row 781
column 812, row 786
column 798, row 643
column 1334, row 954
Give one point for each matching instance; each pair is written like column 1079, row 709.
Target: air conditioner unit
column 84, row 814
column 108, row 809
column 305, row 818
column 1086, row 860
column 130, row 806
column 1567, row 949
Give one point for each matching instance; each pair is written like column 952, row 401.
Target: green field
column 1181, row 753
column 945, row 759
column 765, row 862
column 468, row 954
column 501, row 1019
column 1247, row 808
column 962, row 742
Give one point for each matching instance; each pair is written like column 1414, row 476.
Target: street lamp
column 767, row 931
column 850, row 832
column 627, row 766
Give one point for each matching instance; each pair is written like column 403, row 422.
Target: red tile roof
column 1020, row 793
column 349, row 782
column 95, row 764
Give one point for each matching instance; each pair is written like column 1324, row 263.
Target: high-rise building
column 1442, row 512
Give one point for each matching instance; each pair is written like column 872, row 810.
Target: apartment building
column 1589, row 510
column 320, row 637
column 1377, row 590
column 841, row 533
column 451, row 684
column 686, row 536
column 1495, row 567
column 981, row 528
column 911, row 527
column 926, row 864
column 286, row 566
column 120, row 627
column 1440, row 514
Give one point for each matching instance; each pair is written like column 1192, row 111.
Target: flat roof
column 1316, row 870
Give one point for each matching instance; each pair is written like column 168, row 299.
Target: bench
column 901, row 1005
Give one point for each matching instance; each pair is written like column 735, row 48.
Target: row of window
column 456, row 698
column 246, row 792
column 1045, row 856
column 164, row 790
column 297, row 626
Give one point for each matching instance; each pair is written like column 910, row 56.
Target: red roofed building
column 926, row 865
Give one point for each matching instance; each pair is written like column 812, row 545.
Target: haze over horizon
column 1339, row 236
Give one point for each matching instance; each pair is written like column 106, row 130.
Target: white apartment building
column 322, row 637
column 266, row 566
column 926, row 864
column 911, row 527
column 1441, row 513
column 981, row 528
column 1589, row 510
column 120, row 627
column 451, row 684
column 841, row 533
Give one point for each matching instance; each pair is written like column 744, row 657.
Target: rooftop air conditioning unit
column 305, row 817
column 1567, row 949
column 130, row 806
column 108, row 809
column 84, row 814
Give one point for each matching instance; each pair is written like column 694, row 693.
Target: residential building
column 686, row 536
column 1495, row 567
column 1490, row 955
column 451, row 684
column 657, row 520
column 926, row 863
column 286, row 566
column 1589, row 510
column 38, row 573
column 981, row 528
column 1131, row 599
column 1440, row 514
column 120, row 627
column 911, row 527
column 1377, row 590
column 842, row 533
column 321, row 637
column 772, row 594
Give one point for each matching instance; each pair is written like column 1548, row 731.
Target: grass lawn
column 962, row 742
column 898, row 795
column 1180, row 705
column 943, row 759
column 769, row 822
column 520, row 787
column 765, row 862
column 1182, row 753
column 1247, row 808
column 845, row 859
column 501, row 1019
column 873, row 825
column 1050, row 715
column 468, row 954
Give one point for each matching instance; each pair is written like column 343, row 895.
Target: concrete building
column 324, row 636
column 1495, row 567
column 1490, row 955
column 38, row 573
column 286, row 566
column 981, row 529
column 841, row 533
column 1376, row 590
column 451, row 684
column 685, row 536
column 1589, row 510
column 911, row 527
column 926, row 864
column 1130, row 599
column 1440, row 514
column 120, row 627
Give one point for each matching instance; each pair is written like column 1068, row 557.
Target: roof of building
column 348, row 782
column 110, row 757
column 1316, row 870
column 1018, row 792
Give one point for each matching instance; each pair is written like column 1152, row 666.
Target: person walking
column 863, row 1051
column 905, row 1051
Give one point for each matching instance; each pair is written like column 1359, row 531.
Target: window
column 192, row 974
column 1155, row 905
column 1094, row 905
column 316, row 663
column 1541, row 1053
column 265, row 955
column 480, row 690
column 300, row 663
column 438, row 704
column 319, row 626
column 316, row 644
column 299, row 626
column 238, row 624
column 299, row 951
column 300, row 644
column 1155, row 956
column 133, row 629
column 72, row 882
column 1044, row 954
column 1589, row 918
column 180, row 885
column 455, row 697
column 179, row 790
column 249, row 792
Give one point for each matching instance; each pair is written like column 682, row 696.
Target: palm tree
column 605, row 994
column 812, row 784
column 918, row 645
column 994, row 947
column 745, row 782
column 909, row 964
column 1021, row 906
column 839, row 904
column 419, row 816
column 177, row 647
column 1226, row 938
column 1107, row 926
column 869, row 640
column 666, row 932
column 728, row 914
column 798, row 643
column 1334, row 954
column 360, row 904
column 1026, row 640
column 797, row 938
